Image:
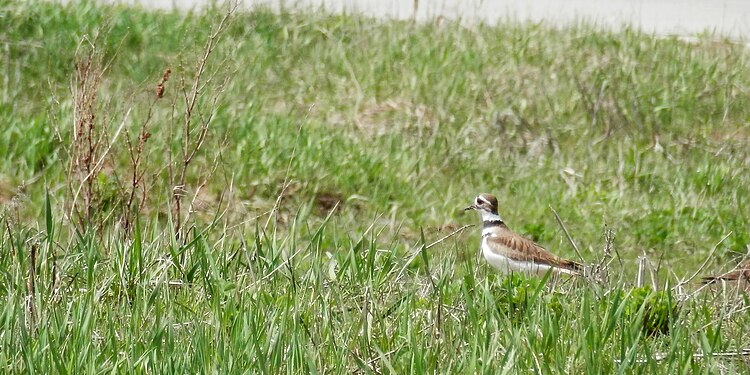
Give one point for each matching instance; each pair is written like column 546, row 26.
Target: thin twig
column 705, row 263
column 708, row 283
column 284, row 186
column 416, row 252
column 250, row 219
column 31, row 289
column 567, row 234
column 600, row 271
column 448, row 236
column 191, row 147
column 101, row 159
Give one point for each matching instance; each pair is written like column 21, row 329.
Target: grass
column 337, row 147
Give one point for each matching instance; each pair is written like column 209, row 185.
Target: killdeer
column 510, row 252
column 741, row 273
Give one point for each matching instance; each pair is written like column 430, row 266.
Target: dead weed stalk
column 196, row 121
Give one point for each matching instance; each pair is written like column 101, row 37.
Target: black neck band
column 492, row 223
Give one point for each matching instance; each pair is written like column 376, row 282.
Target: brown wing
column 517, row 247
column 742, row 273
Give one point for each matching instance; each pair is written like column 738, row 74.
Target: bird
column 740, row 273
column 510, row 252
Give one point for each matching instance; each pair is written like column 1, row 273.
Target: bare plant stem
column 567, row 234
column 136, row 157
column 190, row 147
column 416, row 253
column 31, row 288
column 89, row 148
column 705, row 263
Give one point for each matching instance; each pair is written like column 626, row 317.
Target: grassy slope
column 405, row 123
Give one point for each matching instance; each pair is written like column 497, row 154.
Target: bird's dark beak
column 472, row 207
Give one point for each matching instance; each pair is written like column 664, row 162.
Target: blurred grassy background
column 398, row 125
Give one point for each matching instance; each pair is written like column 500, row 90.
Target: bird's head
column 486, row 205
